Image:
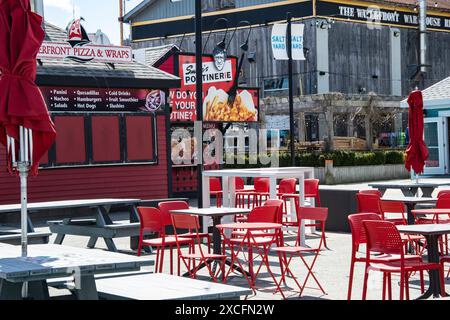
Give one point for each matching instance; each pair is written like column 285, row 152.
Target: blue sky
column 98, row 14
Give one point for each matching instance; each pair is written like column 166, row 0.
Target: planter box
column 338, row 175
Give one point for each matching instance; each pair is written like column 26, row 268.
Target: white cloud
column 65, row 5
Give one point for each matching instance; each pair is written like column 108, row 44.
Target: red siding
column 140, row 181
column 168, row 65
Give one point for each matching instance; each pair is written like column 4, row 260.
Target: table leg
column 409, row 208
column 273, row 188
column 59, row 238
column 92, row 242
column 433, row 257
column 134, row 217
column 10, row 290
column 38, row 290
column 409, row 192
column 110, row 244
column 427, row 191
column 301, row 188
column 87, row 288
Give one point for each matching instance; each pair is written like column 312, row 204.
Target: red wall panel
column 70, row 140
column 130, row 181
column 105, row 138
column 140, row 138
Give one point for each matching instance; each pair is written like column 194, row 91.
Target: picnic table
column 158, row 286
column 101, row 225
column 229, row 188
column 49, row 261
column 410, row 189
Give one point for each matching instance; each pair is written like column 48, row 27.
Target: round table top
column 250, row 226
column 431, row 211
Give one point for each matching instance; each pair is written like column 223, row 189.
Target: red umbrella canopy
column 21, row 102
column 417, row 151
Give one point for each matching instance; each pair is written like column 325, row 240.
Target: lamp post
column 291, row 88
column 199, row 94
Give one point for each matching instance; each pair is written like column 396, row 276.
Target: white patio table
column 229, row 189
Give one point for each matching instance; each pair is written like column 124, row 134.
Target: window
column 276, row 84
column 102, row 139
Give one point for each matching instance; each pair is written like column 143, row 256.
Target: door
column 436, row 141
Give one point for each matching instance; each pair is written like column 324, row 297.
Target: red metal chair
column 383, row 237
column 151, row 220
column 372, row 191
column 312, row 190
column 166, row 207
column 359, row 238
column 259, row 241
column 242, row 194
column 188, row 222
column 368, row 202
column 305, row 213
column 215, row 189
column 391, row 208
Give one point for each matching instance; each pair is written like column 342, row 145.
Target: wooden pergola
column 368, row 108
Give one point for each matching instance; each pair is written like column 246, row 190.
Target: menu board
column 183, row 100
column 70, row 99
column 216, row 87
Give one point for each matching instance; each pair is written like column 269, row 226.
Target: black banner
column 377, row 15
column 71, row 99
column 255, row 16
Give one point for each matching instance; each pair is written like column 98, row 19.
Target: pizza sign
column 79, row 48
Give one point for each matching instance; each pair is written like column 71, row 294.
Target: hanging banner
column 297, row 41
column 279, row 41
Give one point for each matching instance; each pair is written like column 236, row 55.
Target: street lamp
column 199, row 93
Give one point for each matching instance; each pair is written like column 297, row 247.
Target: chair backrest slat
column 312, row 213
column 265, row 214
column 151, row 220
column 368, row 203
column 166, row 207
column 357, row 228
column 383, row 237
column 278, row 203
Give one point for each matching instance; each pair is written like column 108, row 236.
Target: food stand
column 112, row 120
column 216, row 113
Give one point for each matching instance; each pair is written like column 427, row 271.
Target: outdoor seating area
column 295, row 159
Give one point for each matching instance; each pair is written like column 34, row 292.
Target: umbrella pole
column 23, row 166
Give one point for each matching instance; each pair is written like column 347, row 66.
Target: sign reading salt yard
column 85, row 53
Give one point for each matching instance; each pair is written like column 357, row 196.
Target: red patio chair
column 305, row 213
column 312, row 190
column 359, row 238
column 188, row 222
column 383, row 237
column 369, row 202
column 372, row 191
column 215, row 189
column 166, row 207
column 151, row 220
column 255, row 241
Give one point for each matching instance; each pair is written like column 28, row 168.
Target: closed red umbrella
column 21, row 102
column 417, row 151
column 25, row 125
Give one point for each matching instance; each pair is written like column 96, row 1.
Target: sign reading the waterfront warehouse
column 279, row 41
column 377, row 15
column 67, row 99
